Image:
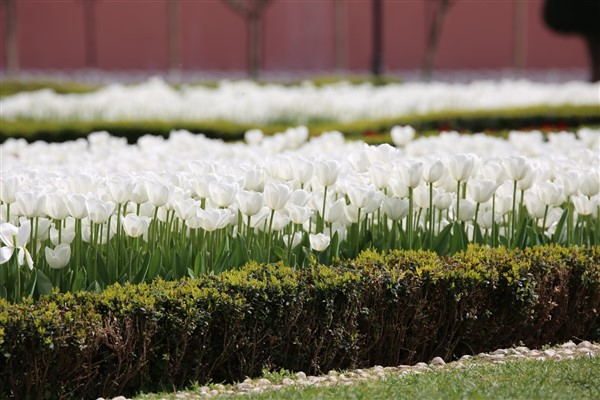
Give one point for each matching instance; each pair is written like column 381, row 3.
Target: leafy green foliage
column 374, row 131
column 380, row 308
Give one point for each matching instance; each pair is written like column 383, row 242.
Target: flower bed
column 250, row 103
column 89, row 213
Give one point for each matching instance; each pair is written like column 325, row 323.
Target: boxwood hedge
column 387, row 309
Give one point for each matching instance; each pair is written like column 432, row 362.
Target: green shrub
column 387, row 309
column 369, row 130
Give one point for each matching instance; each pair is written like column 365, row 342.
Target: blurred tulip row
column 86, row 214
column 252, row 103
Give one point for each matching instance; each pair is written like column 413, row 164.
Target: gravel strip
column 565, row 351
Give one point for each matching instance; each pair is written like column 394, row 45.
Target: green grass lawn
column 568, row 379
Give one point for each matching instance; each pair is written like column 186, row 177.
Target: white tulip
column 15, row 239
column 292, row 241
column 409, row 173
column 516, row 168
column 298, row 214
column 319, row 241
column 481, row 191
column 327, row 172
column 222, row 193
column 56, row 206
column 589, row 183
column 276, row 195
column 249, row 203
column 402, row 135
column 120, row 188
column 584, row 205
column 461, row 166
column 76, row 206
column 433, row 171
column 9, row 185
column 58, row 257
column 158, row 193
column 395, row 209
column 99, row 211
column 31, row 204
column 135, row 226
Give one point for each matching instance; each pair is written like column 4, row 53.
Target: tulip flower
column 292, row 241
column 276, row 195
column 433, row 171
column 410, row 173
column 584, row 205
column 58, row 257
column 249, row 203
column 319, row 241
column 461, row 166
column 589, row 183
column 213, row 219
column 481, row 191
column 9, row 185
column 360, row 195
column 402, row 135
column 253, row 136
column 135, row 226
column 327, row 172
column 120, row 188
column 396, row 209
column 99, row 211
column 76, row 204
column 15, row 239
column 31, row 204
column 55, row 206
column 516, row 168
column 222, row 193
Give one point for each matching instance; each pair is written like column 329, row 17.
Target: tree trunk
column 173, row 35
column 520, row 35
column 377, row 38
column 10, row 37
column 89, row 18
column 254, row 45
column 435, row 32
column 593, row 45
column 340, row 34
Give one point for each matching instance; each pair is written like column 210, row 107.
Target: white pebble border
column 565, row 351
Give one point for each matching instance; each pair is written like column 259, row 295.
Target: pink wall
column 299, row 35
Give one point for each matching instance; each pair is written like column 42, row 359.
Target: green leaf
column 559, row 227
column 141, row 274
column 440, row 243
column 79, row 281
column 103, row 272
column 44, row 285
column 30, row 283
column 154, row 264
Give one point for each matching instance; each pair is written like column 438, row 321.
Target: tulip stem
column 321, row 221
column 457, row 200
column 514, row 214
column 494, row 220
column 270, row 237
column 410, row 217
column 431, row 212
column 475, row 222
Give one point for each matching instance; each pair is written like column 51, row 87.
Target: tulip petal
column 6, row 254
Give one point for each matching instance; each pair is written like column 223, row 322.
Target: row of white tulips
column 85, row 214
column 249, row 102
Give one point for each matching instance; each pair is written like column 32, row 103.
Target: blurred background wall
column 296, row 35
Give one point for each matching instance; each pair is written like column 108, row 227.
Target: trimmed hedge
column 559, row 117
column 399, row 308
